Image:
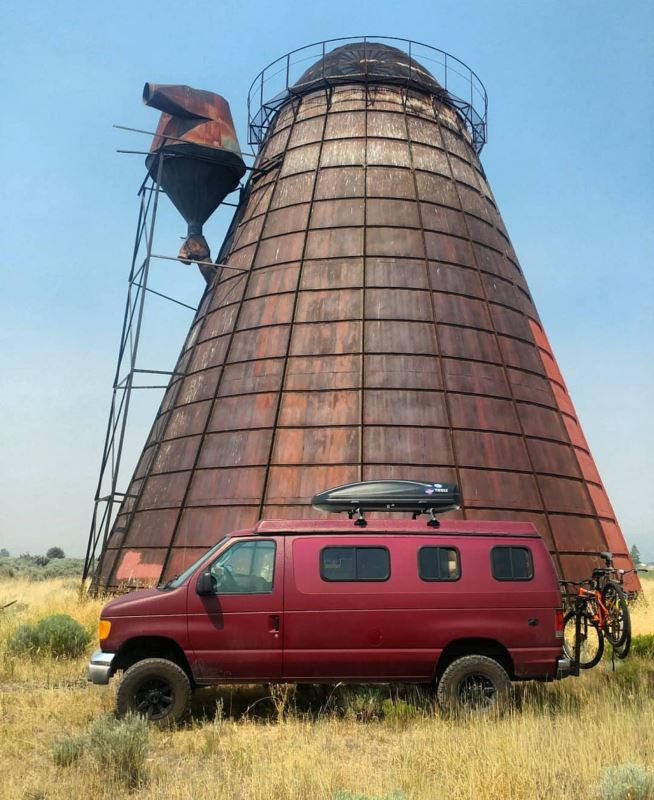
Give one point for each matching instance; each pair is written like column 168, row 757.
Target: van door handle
column 274, row 623
column 533, row 621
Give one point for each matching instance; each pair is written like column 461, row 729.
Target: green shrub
column 67, row 750
column 23, row 640
column 643, row 645
column 116, row 745
column 63, row 568
column 363, row 703
column 57, row 635
column 627, row 782
column 122, row 746
column 635, row 676
column 35, row 794
column 399, row 711
column 55, row 552
column 40, row 568
column 6, row 571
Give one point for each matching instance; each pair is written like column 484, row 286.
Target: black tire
column 617, row 627
column 592, row 640
column 155, row 688
column 622, row 651
column 625, row 647
column 473, row 683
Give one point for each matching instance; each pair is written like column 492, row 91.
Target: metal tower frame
column 108, row 498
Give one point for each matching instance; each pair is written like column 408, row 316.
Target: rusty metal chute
column 202, row 163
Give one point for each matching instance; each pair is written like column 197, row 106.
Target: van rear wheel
column 473, row 683
column 155, row 688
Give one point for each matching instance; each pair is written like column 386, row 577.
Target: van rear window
column 439, row 564
column 512, row 563
column 355, row 564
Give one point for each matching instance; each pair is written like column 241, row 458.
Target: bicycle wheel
column 591, row 639
column 617, row 627
column 623, row 650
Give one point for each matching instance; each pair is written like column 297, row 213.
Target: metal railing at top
column 279, row 82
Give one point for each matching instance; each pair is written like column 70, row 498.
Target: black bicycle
column 622, row 651
column 616, row 621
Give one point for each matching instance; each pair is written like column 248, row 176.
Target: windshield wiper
column 168, row 584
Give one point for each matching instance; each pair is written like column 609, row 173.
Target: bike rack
column 575, row 668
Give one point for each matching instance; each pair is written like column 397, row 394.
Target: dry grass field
column 558, row 741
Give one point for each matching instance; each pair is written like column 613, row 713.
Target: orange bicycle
column 598, row 609
column 583, row 639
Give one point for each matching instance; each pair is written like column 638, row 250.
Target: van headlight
column 104, row 629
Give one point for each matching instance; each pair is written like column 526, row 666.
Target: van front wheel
column 473, row 683
column 155, row 688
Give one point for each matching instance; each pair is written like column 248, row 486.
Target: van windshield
column 178, row 580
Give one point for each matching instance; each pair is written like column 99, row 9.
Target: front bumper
column 99, row 667
column 563, row 667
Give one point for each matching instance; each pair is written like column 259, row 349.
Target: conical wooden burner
column 375, row 325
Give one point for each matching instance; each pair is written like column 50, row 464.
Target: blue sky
column 569, row 157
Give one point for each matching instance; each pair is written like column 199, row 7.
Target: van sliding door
column 346, row 614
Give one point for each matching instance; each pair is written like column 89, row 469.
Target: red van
column 468, row 606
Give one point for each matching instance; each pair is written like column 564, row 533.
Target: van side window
column 355, row 564
column 245, row 568
column 439, row 564
column 512, row 563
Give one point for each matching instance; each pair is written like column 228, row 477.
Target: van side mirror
column 205, row 584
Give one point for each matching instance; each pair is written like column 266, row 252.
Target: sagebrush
column 57, row 635
column 627, row 782
column 118, row 746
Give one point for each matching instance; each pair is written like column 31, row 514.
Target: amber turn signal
column 104, row 629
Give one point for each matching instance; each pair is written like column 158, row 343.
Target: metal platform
column 452, row 81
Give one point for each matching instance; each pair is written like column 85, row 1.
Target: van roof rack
column 414, row 497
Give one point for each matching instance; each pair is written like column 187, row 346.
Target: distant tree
column 635, row 554
column 55, row 552
column 4, row 553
